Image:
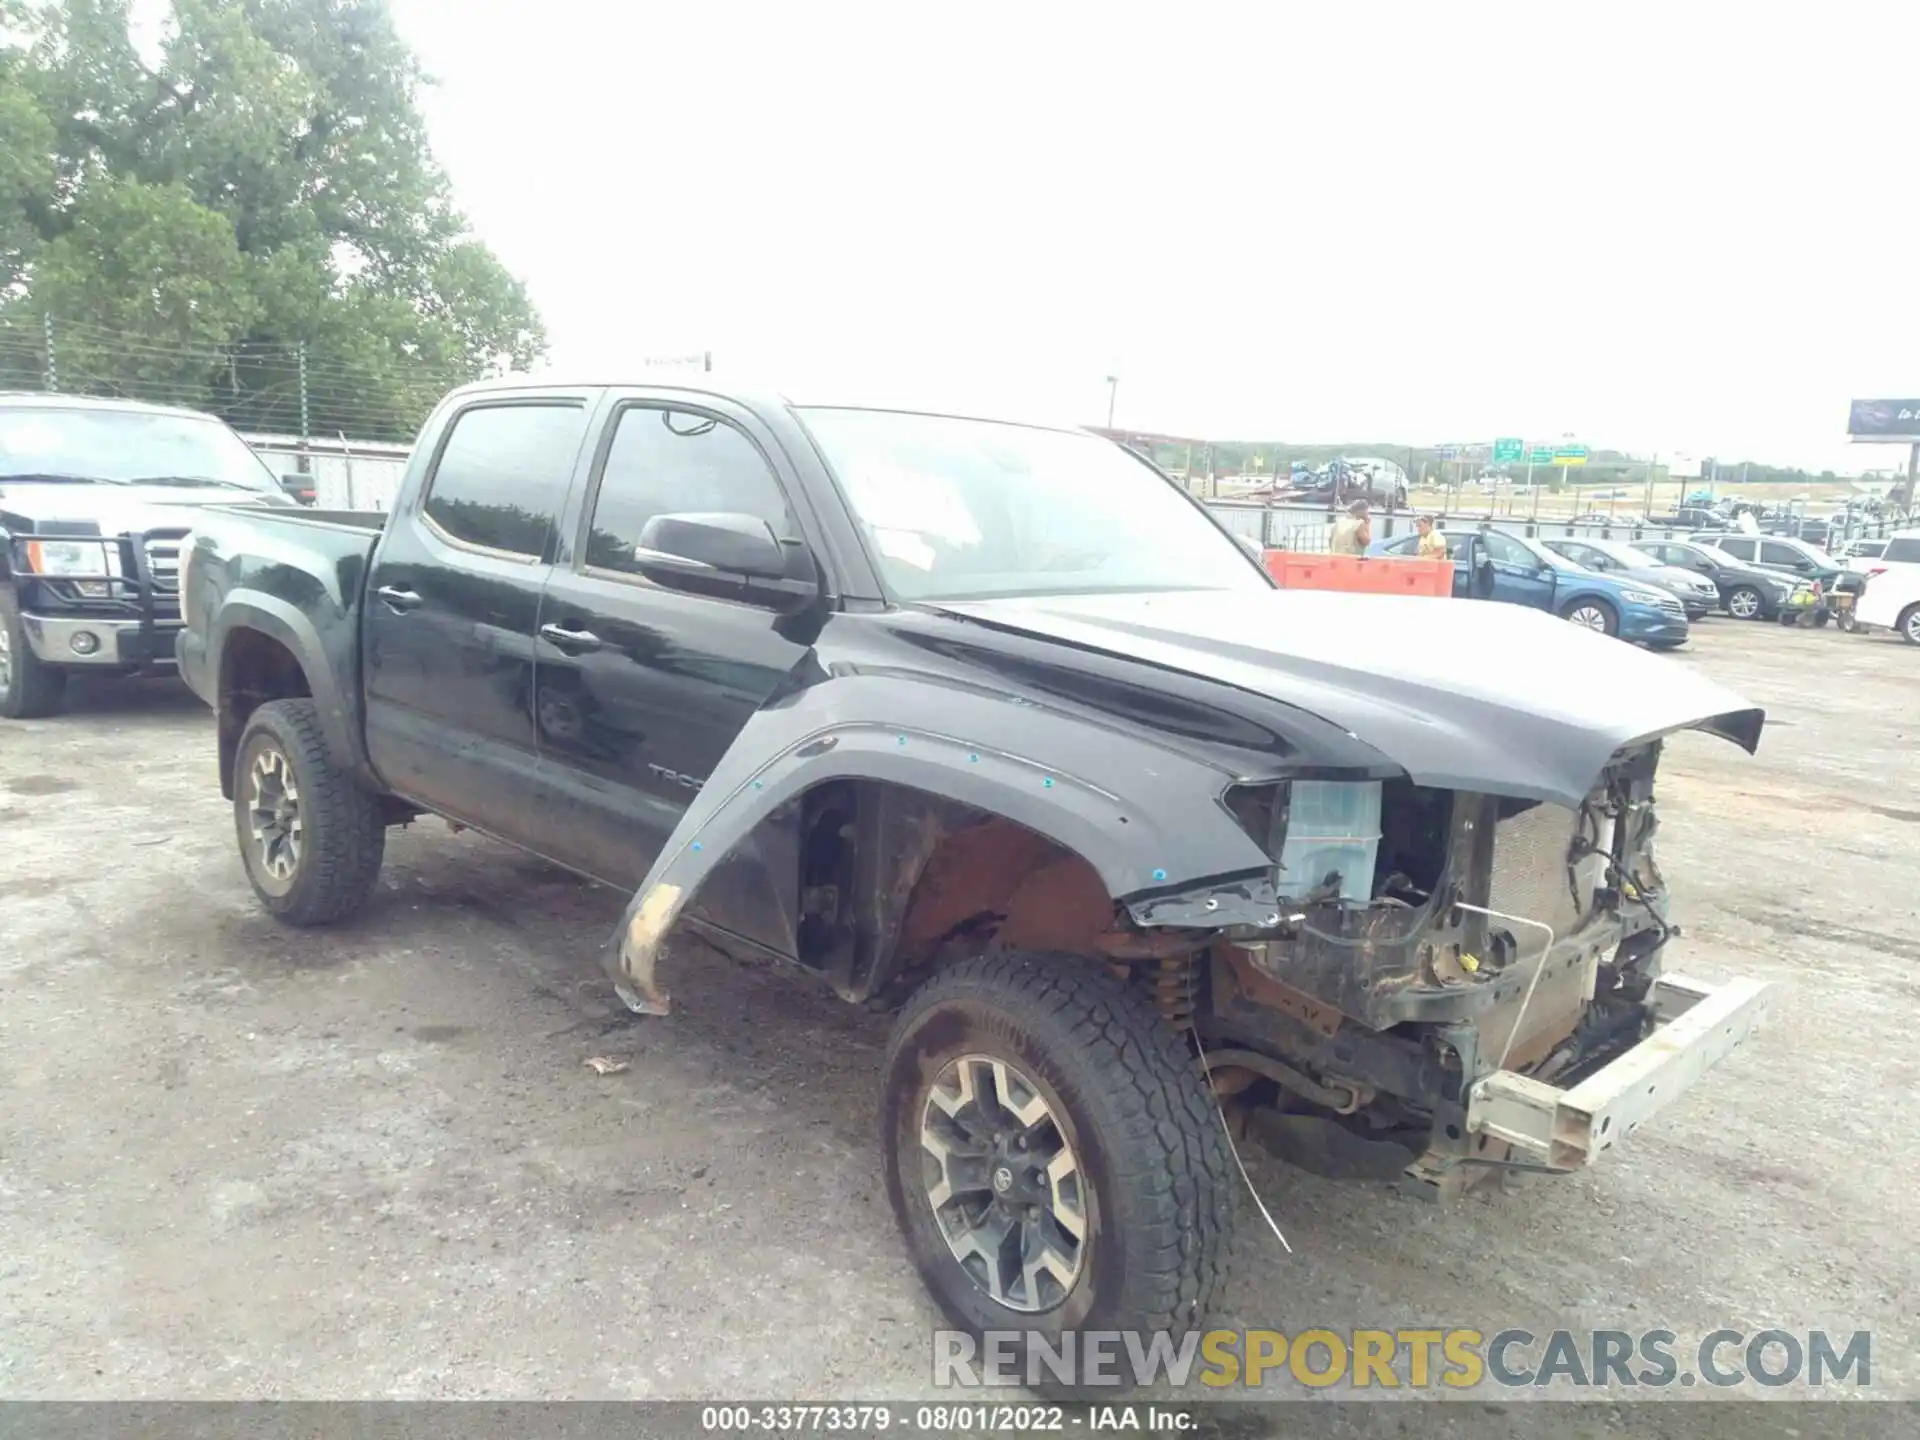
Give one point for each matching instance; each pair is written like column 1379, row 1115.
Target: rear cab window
column 501, row 476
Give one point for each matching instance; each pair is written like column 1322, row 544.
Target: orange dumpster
column 1360, row 574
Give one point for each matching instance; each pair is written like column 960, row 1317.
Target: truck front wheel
column 1053, row 1156
column 311, row 837
column 29, row 687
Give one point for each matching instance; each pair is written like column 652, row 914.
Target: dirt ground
column 239, row 1161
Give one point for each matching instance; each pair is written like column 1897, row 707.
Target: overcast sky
column 1660, row 227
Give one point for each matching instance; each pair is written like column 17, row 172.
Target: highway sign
column 1509, row 452
column 1540, row 455
column 1570, row 455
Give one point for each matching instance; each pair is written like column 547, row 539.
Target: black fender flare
column 1147, row 818
column 286, row 624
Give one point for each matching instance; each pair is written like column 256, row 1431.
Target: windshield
column 123, row 447
column 1629, row 557
column 958, row 509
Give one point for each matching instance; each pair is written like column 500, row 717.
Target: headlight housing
column 1645, row 597
column 89, row 566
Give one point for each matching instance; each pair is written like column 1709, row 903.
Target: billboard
column 1884, row 420
column 1683, row 467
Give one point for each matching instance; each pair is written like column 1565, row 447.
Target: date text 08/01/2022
column 941, row 1419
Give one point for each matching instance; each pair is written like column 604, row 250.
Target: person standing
column 1353, row 532
column 1433, row 545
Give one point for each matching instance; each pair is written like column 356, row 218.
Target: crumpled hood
column 115, row 509
column 1462, row 694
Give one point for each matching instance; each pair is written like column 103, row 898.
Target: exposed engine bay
column 1498, row 935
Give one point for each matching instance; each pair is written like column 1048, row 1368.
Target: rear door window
column 1773, row 552
column 1906, row 549
column 502, row 476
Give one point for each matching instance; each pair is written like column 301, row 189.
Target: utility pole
column 1113, row 389
column 53, row 368
column 306, row 418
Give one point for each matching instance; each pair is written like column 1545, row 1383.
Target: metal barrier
column 1309, row 528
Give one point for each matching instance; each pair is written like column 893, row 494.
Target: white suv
column 1892, row 597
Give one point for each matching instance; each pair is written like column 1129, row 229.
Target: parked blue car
column 1493, row 565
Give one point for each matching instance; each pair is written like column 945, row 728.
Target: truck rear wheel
column 29, row 687
column 1053, row 1156
column 311, row 837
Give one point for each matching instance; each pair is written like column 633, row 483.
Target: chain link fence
column 256, row 387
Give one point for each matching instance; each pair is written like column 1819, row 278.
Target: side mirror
column 742, row 545
column 300, row 487
column 714, row 552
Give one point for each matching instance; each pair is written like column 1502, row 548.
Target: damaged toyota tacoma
column 991, row 725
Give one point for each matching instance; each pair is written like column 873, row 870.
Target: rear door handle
column 566, row 639
column 399, row 600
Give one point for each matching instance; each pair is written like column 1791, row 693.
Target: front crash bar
column 1699, row 1025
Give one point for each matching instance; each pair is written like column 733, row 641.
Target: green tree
column 263, row 190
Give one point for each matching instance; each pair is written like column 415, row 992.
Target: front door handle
column 399, row 600
column 566, row 639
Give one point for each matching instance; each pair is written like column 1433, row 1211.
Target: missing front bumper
column 1699, row 1025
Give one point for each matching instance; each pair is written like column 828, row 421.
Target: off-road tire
column 343, row 835
column 1132, row 1103
column 1821, row 617
column 32, row 688
column 1739, row 596
column 1909, row 624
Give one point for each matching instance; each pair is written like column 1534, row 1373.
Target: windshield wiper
column 48, row 477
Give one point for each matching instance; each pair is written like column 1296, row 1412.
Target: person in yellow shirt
column 1433, row 545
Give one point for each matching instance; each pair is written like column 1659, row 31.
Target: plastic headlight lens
column 59, row 559
column 1645, row 597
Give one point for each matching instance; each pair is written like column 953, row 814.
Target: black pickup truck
column 991, row 724
column 95, row 496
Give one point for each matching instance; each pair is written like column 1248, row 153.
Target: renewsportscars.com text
column 1454, row 1358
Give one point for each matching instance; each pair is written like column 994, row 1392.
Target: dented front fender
column 1147, row 817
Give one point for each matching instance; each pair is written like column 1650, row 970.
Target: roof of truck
column 904, row 399
column 54, row 400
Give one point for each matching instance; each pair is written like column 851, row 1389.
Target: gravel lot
column 239, row 1161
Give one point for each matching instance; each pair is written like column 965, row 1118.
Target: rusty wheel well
column 892, row 881
column 254, row 668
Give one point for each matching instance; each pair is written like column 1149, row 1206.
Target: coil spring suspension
column 1175, row 984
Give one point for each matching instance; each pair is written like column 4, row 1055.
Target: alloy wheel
column 6, row 659
column 1743, row 604
column 1589, row 617
column 274, row 815
column 1913, row 625
column 1003, row 1183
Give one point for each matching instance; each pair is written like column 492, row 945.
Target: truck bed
column 297, row 575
